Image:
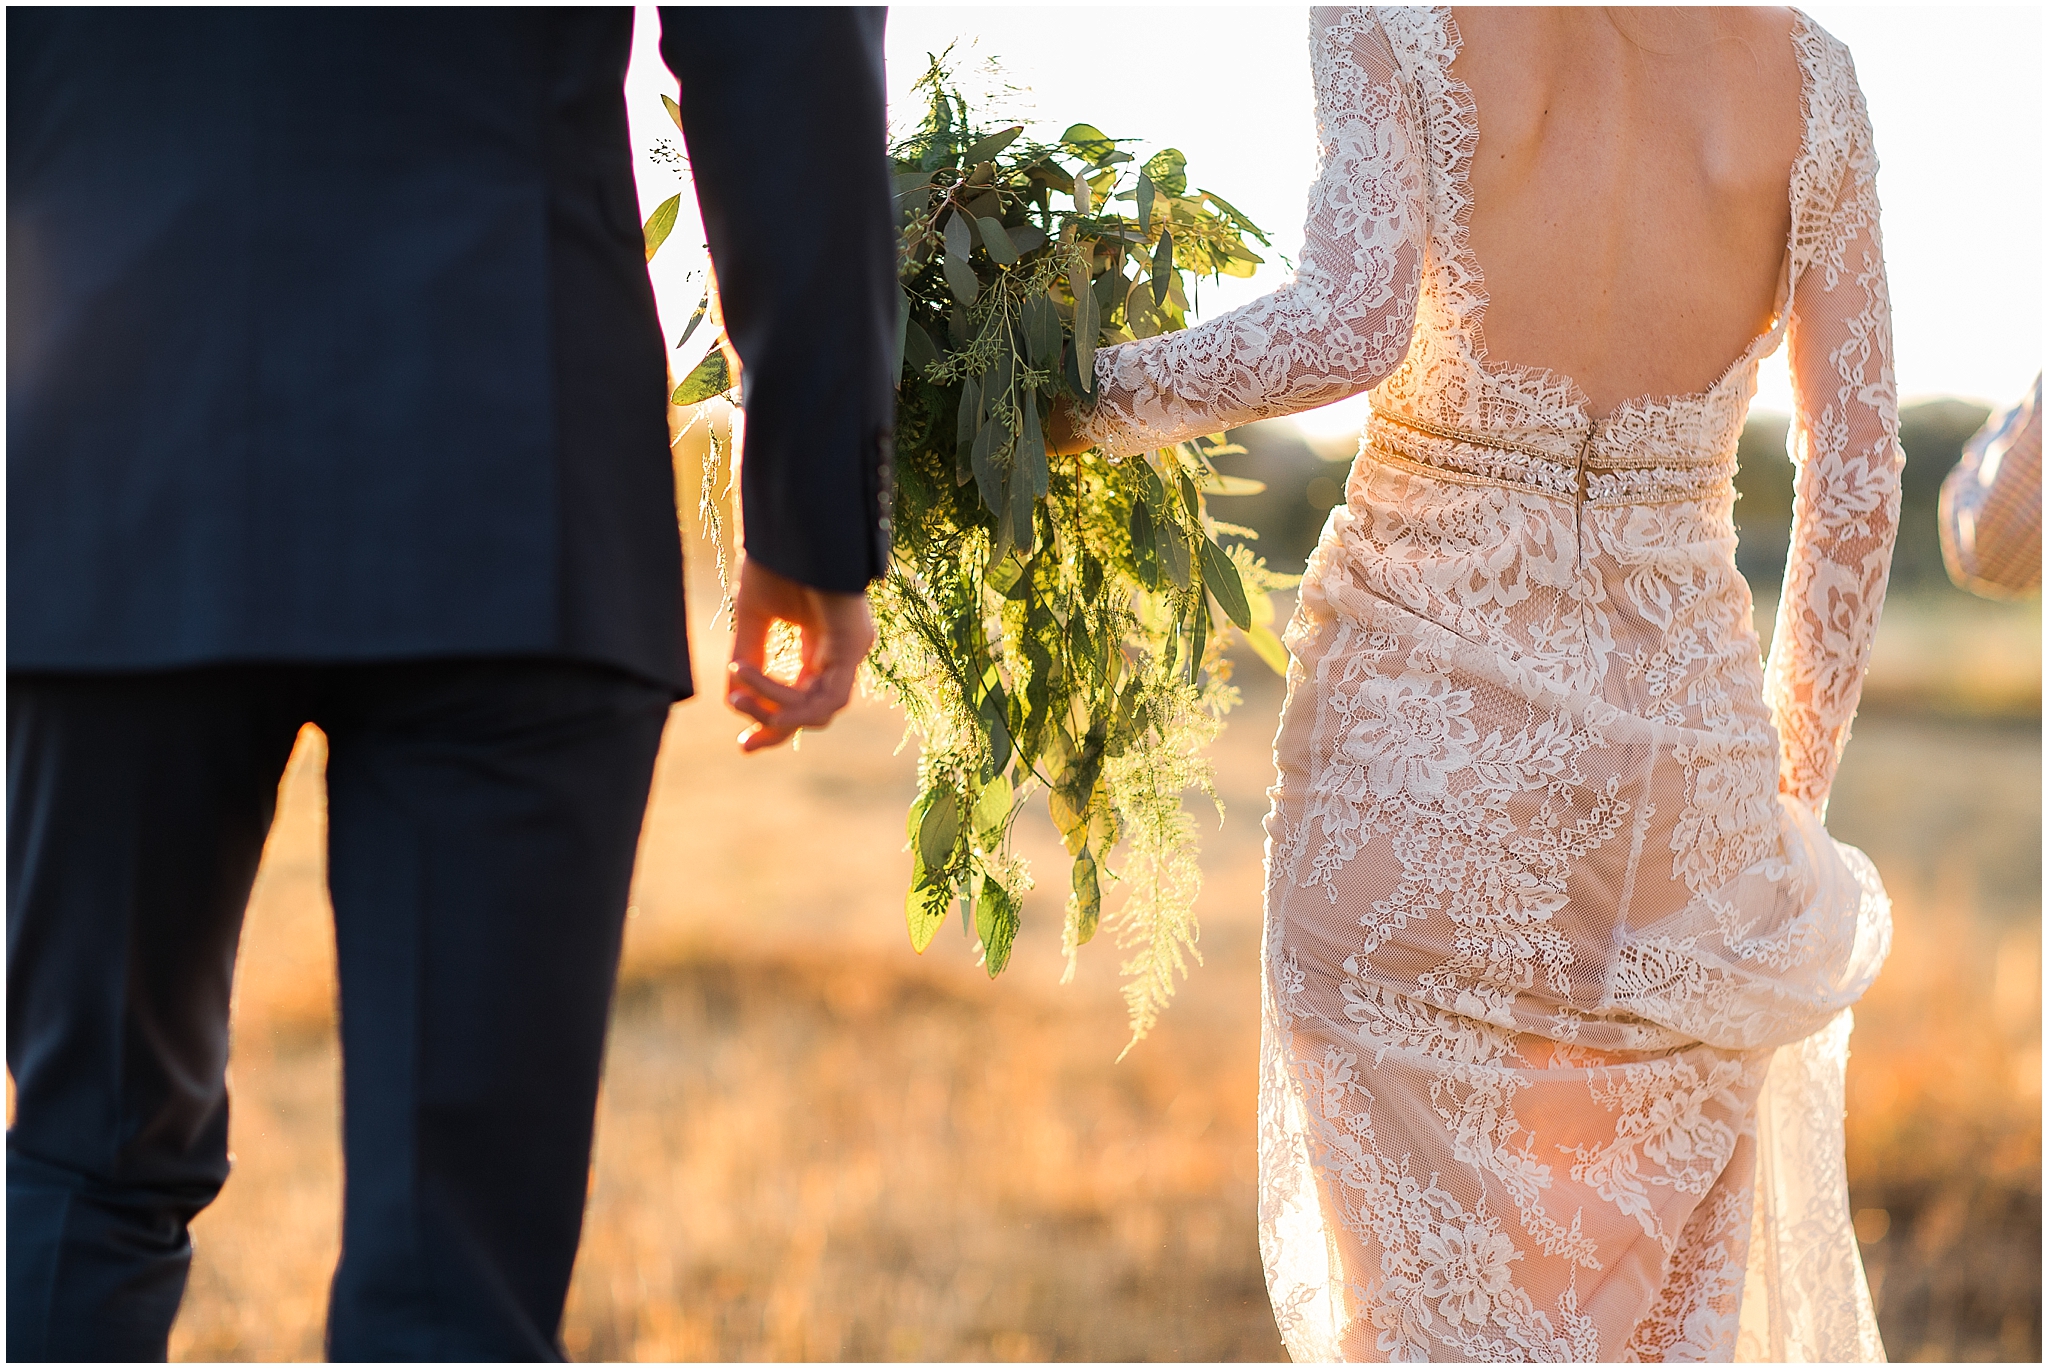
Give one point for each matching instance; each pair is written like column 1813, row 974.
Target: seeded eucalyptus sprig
column 1052, row 622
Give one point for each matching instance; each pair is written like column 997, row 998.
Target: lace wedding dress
column 1558, row 956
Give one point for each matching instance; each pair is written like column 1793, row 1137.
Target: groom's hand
column 836, row 632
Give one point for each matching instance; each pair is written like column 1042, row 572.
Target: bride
column 1558, row 955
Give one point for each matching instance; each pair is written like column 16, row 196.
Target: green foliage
column 710, row 379
column 661, row 223
column 1052, row 623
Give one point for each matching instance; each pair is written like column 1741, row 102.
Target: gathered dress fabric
column 1558, row 956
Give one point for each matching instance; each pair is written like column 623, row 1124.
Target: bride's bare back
column 1629, row 191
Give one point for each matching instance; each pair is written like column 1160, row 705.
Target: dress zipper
column 1579, row 499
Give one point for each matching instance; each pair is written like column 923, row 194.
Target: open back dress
column 1558, row 955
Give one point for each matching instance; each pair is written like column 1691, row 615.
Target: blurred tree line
column 1301, row 487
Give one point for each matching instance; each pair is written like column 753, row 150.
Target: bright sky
column 1954, row 93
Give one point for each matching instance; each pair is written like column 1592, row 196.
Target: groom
column 335, row 394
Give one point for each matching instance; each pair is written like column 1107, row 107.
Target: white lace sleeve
column 1845, row 443
column 1342, row 324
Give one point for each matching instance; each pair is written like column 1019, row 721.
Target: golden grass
column 815, row 1145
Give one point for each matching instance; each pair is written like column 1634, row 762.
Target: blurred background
column 815, row 1144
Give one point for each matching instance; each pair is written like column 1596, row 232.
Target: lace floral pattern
column 1345, row 319
column 1846, row 429
column 1558, row 954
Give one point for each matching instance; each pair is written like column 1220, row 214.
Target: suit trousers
column 482, row 821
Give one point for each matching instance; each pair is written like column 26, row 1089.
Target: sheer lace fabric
column 1558, row 956
column 1343, row 322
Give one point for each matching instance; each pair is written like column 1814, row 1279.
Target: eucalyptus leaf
column 938, row 831
column 1213, row 484
column 1089, row 141
column 1058, row 758
column 1141, row 315
column 661, row 223
column 1222, row 580
column 708, row 379
column 696, row 316
column 1162, row 266
column 1054, row 175
column 1173, row 555
column 1237, row 217
column 1087, row 321
column 1108, row 290
column 1031, row 462
column 960, row 277
column 994, row 713
column 1022, row 532
column 1169, row 171
column 1087, row 768
column 1027, row 238
column 992, row 811
column 1150, row 488
column 1070, row 818
column 988, row 147
column 1087, row 914
column 1002, row 387
column 924, row 908
column 675, row 112
column 919, row 351
column 988, row 476
column 913, row 192
column 1041, row 329
column 996, row 922
column 969, row 422
column 1146, row 192
column 1144, row 546
column 996, row 239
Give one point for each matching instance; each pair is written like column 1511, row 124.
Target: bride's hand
column 836, row 632
column 1062, row 429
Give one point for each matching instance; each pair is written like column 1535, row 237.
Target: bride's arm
column 1846, row 498
column 1342, row 324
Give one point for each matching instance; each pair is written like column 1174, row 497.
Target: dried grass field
column 814, row 1144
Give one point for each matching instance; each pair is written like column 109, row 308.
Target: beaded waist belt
column 1579, row 466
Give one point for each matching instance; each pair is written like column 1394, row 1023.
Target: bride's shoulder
column 1342, row 35
column 1824, row 57
column 1834, row 97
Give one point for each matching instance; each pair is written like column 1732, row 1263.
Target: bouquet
column 1050, row 624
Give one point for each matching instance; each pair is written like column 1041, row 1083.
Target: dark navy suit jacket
column 330, row 336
